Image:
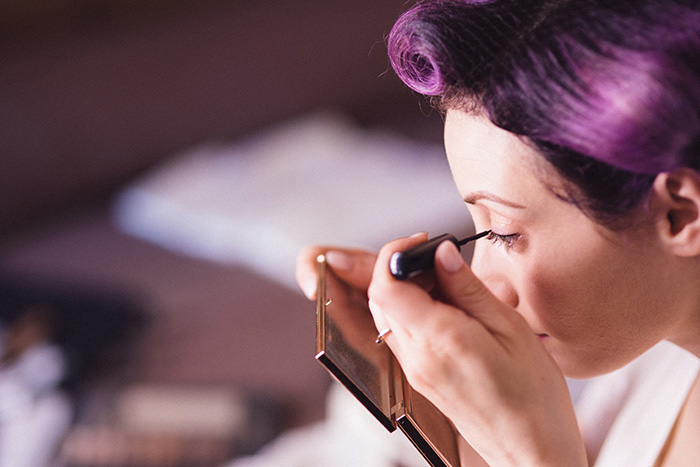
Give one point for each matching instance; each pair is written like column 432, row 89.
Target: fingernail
column 309, row 289
column 450, row 257
column 419, row 234
column 339, row 260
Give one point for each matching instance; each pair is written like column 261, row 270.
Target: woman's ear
column 676, row 198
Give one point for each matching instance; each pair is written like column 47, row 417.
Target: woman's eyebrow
column 472, row 198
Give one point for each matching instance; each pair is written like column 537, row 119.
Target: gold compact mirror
column 345, row 345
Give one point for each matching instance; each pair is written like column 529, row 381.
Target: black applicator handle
column 406, row 264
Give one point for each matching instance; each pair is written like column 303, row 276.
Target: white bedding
column 314, row 180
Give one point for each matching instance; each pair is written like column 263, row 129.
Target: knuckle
column 433, row 356
column 378, row 290
column 421, row 371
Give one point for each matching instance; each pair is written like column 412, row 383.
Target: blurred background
column 161, row 163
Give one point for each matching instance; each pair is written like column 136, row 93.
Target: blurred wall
column 92, row 92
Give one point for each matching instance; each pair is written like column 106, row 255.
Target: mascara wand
column 406, row 264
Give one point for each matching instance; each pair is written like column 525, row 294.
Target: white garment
column 630, row 412
column 627, row 415
column 34, row 415
column 349, row 437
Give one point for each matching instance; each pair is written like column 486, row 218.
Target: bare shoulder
column 683, row 446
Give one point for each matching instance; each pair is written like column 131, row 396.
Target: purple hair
column 608, row 91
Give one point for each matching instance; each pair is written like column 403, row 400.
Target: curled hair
column 608, row 91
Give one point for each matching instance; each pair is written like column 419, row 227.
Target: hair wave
column 608, row 91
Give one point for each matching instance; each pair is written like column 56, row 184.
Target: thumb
column 461, row 288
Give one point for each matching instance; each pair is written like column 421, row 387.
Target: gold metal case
column 345, row 345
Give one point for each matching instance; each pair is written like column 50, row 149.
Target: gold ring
column 382, row 335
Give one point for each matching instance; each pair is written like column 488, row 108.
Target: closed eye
column 505, row 240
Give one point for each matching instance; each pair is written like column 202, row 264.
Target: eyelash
column 506, row 240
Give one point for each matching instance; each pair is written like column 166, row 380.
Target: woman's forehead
column 484, row 157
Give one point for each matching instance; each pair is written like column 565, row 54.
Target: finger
column 397, row 303
column 351, row 265
column 424, row 327
column 409, row 310
column 381, row 272
column 461, row 288
column 306, row 268
column 384, row 330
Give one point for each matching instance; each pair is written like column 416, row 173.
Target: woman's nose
column 495, row 276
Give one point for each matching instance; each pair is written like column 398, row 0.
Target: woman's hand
column 351, row 265
column 478, row 361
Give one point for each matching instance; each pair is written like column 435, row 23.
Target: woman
column 572, row 129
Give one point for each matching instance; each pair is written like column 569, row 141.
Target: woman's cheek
column 491, row 271
column 549, row 298
column 568, row 298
